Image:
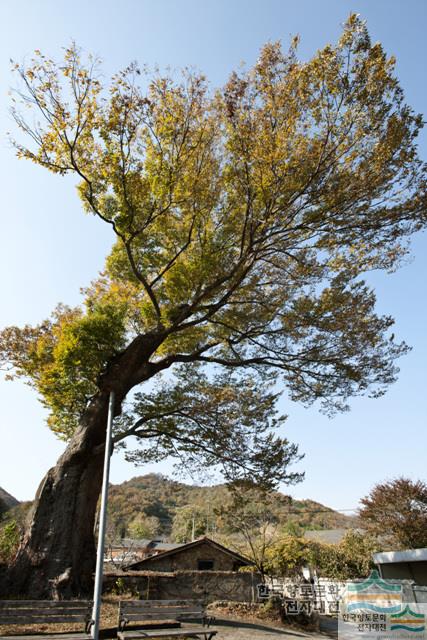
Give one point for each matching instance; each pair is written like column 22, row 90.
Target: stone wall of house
column 188, row 560
column 187, row 585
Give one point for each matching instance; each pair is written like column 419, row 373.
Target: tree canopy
column 243, row 220
column 396, row 513
column 349, row 559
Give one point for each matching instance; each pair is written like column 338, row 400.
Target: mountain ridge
column 153, row 496
column 7, row 501
column 153, row 505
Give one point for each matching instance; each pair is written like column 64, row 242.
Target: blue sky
column 49, row 248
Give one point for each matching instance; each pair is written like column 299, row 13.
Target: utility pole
column 207, row 518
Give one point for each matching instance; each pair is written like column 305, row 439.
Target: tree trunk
column 56, row 558
column 57, row 554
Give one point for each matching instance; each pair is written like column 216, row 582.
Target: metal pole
column 102, row 521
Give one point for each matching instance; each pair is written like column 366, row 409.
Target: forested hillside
column 6, row 501
column 153, row 505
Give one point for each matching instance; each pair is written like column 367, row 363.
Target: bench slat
column 141, row 604
column 49, row 613
column 39, row 618
column 61, row 636
column 143, row 612
column 163, row 612
column 48, row 604
column 136, row 610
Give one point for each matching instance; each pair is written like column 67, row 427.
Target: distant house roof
column 328, row 536
column 144, row 543
column 189, row 545
column 165, row 546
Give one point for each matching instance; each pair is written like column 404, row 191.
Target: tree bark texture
column 56, row 557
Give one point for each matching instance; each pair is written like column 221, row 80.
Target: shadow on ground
column 329, row 626
column 238, row 624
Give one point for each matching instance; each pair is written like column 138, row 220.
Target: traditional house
column 201, row 555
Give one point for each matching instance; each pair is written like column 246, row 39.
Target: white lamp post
column 102, row 522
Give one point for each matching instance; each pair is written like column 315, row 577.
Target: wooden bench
column 28, row 612
column 163, row 612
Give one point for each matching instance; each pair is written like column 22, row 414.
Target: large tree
column 396, row 513
column 243, row 220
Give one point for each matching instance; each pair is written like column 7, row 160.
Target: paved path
column 230, row 629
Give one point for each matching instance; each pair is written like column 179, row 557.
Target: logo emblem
column 408, row 620
column 373, row 594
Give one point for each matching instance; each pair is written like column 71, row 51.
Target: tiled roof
column 144, row 543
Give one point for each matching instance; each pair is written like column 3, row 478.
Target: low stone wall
column 186, row 585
